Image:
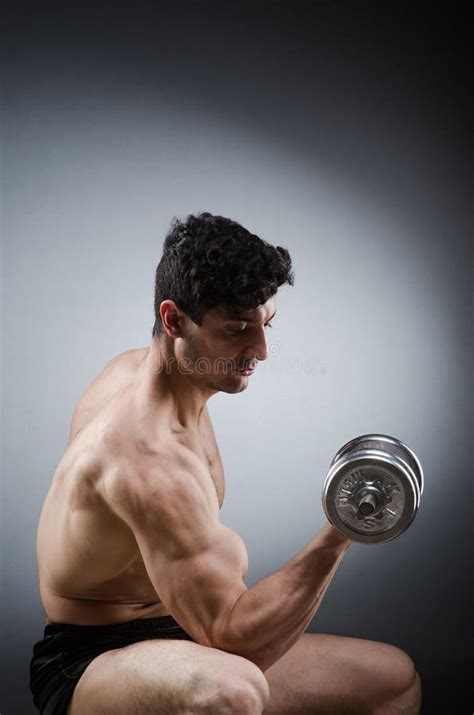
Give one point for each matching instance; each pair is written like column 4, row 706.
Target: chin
column 232, row 385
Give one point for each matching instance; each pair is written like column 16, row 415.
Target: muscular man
column 142, row 584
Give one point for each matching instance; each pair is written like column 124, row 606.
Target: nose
column 259, row 349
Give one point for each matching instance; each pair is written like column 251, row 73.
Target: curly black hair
column 211, row 261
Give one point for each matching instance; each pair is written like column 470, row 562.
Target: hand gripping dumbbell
column 373, row 488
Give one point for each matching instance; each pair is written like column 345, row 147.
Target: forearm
column 269, row 618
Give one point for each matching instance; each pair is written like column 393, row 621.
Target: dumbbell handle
column 367, row 504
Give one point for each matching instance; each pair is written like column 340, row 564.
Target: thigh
column 335, row 674
column 160, row 676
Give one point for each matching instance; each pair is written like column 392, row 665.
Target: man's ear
column 172, row 318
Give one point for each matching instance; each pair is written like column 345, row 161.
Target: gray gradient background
column 334, row 129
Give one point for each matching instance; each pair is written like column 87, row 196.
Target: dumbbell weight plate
column 385, row 443
column 373, row 488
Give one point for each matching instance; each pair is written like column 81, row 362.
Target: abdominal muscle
column 90, row 568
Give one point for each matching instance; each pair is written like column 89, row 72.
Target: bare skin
column 91, row 569
column 115, row 586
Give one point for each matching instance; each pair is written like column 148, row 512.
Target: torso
column 90, row 568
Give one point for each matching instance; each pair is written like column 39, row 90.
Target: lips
column 247, row 370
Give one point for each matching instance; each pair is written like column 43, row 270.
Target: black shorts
column 66, row 650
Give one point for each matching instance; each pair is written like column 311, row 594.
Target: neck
column 168, row 393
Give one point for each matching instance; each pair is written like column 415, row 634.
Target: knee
column 242, row 691
column 244, row 698
column 398, row 676
column 246, row 691
column 404, row 671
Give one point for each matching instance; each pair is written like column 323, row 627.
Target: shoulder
column 159, row 489
column 128, row 358
column 116, row 374
column 169, row 466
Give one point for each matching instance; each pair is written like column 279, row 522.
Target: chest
column 218, row 479
column 207, row 451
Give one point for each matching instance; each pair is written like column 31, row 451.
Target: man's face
column 228, row 342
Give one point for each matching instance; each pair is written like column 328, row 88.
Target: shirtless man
column 142, row 584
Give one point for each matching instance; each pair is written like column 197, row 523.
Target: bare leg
column 334, row 675
column 407, row 703
column 166, row 677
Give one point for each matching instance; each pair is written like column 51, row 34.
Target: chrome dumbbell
column 373, row 488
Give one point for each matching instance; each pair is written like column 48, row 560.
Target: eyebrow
column 234, row 316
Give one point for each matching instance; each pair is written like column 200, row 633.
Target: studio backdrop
column 336, row 130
